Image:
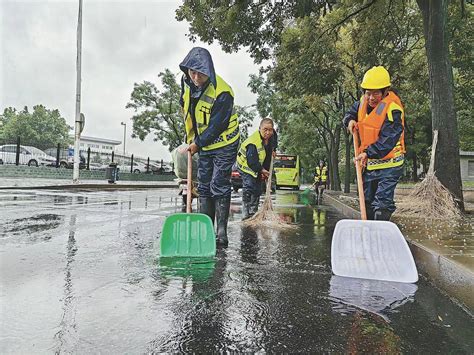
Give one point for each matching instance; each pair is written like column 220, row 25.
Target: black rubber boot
column 246, row 205
column 207, row 206
column 382, row 215
column 317, row 196
column 369, row 210
column 254, row 200
column 222, row 216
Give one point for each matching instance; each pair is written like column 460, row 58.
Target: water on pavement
column 80, row 273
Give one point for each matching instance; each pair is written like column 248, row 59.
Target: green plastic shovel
column 188, row 234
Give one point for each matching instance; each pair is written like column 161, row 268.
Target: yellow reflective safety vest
column 202, row 115
column 370, row 126
column 242, row 163
column 321, row 174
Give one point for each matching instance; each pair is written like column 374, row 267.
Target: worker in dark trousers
column 320, row 180
column 212, row 131
column 380, row 120
column 253, row 162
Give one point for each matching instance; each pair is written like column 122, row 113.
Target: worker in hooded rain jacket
column 212, row 131
column 253, row 162
column 380, row 120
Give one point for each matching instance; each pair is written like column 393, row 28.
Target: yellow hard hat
column 376, row 78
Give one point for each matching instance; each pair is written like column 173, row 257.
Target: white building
column 98, row 145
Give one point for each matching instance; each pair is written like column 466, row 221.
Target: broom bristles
column 266, row 216
column 429, row 199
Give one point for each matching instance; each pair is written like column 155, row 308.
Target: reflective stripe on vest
column 202, row 113
column 369, row 130
column 323, row 175
column 242, row 162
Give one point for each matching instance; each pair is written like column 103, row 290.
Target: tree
column 446, row 162
column 246, row 116
column 41, row 128
column 366, row 33
column 160, row 113
column 461, row 46
column 256, row 25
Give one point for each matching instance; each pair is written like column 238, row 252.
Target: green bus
column 287, row 171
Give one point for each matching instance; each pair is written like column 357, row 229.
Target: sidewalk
column 36, row 183
column 443, row 251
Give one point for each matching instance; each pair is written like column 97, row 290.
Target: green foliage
column 158, row 112
column 319, row 51
column 246, row 117
column 460, row 29
column 41, row 128
column 256, row 25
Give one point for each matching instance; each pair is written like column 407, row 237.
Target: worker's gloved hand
column 352, row 125
column 193, row 148
column 362, row 158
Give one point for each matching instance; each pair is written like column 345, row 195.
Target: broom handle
column 360, row 185
column 190, row 183
column 269, row 181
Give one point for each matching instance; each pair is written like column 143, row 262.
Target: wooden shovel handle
column 360, row 184
column 190, row 183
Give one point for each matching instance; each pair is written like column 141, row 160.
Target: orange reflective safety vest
column 369, row 130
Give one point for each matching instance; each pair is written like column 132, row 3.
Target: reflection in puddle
column 377, row 297
column 33, row 224
column 66, row 336
column 196, row 269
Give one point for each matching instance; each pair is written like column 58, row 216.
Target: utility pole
column 124, row 136
column 77, row 131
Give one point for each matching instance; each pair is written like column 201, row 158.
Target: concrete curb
column 451, row 277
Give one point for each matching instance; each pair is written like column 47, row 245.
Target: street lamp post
column 124, row 136
column 77, row 123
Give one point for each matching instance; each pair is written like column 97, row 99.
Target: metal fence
column 21, row 152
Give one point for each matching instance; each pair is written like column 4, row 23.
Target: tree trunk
column 334, row 172
column 415, row 168
column 334, row 182
column 446, row 164
column 347, row 177
column 414, row 156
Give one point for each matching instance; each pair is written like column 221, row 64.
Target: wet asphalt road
column 80, row 273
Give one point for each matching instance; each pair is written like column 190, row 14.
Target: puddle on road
column 31, row 225
column 193, row 269
column 455, row 235
column 101, row 287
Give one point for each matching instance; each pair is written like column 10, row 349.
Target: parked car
column 137, row 168
column 66, row 157
column 158, row 168
column 97, row 166
column 236, row 180
column 69, row 162
column 29, row 155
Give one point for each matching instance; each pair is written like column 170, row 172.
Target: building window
column 470, row 168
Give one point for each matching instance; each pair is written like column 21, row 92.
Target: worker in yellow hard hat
column 380, row 120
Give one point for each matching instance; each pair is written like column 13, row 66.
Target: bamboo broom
column 266, row 216
column 429, row 198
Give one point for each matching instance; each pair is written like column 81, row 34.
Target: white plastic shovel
column 373, row 250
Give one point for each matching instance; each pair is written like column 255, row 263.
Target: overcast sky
column 123, row 42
